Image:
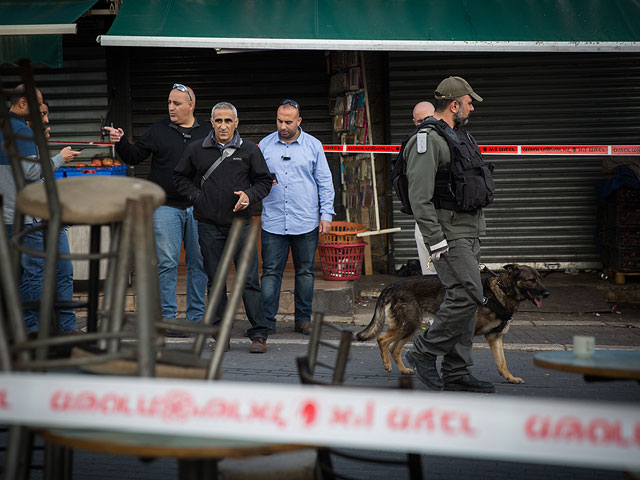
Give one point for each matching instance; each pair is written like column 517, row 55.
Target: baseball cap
column 455, row 87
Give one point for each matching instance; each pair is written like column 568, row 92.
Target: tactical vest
column 467, row 185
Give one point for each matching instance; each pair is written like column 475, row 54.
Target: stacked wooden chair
column 313, row 371
column 126, row 208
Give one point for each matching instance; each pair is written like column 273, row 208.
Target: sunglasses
column 182, row 88
column 293, row 103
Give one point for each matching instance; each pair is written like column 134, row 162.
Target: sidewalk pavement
column 570, row 292
column 579, row 304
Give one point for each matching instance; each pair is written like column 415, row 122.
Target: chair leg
column 18, row 454
column 214, row 370
column 58, row 462
column 94, row 279
column 324, row 466
column 217, row 289
column 197, row 469
column 121, row 246
column 415, row 466
column 147, row 285
column 316, row 332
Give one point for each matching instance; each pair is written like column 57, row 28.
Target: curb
column 531, row 347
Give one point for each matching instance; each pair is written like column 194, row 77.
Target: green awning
column 33, row 29
column 498, row 25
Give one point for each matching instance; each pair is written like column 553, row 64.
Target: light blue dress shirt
column 304, row 190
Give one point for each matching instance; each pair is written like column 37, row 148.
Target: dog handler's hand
column 439, row 249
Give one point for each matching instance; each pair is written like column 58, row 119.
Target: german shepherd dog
column 402, row 304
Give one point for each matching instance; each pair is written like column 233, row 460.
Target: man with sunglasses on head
column 223, row 175
column 165, row 141
column 439, row 157
column 299, row 207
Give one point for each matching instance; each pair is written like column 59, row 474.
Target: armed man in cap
column 442, row 158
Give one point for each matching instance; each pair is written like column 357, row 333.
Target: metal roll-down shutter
column 544, row 213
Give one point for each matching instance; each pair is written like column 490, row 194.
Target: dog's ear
column 512, row 267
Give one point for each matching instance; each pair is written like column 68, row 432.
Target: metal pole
column 370, row 139
column 220, row 281
column 248, row 251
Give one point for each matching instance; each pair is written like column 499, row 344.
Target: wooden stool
column 93, row 201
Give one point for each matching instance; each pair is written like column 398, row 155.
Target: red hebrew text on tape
column 449, row 422
column 504, row 149
column 333, row 148
column 625, row 149
column 565, row 149
column 351, row 417
column 569, row 429
column 172, row 406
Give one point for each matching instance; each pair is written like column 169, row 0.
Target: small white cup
column 583, row 346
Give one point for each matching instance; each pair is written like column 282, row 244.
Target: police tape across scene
column 607, row 150
column 564, row 432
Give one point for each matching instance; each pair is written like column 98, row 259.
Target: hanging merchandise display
column 349, row 104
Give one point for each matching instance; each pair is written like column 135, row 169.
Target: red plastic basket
column 341, row 262
column 343, row 232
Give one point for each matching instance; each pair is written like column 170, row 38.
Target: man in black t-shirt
column 174, row 223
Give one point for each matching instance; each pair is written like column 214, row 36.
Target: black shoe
column 303, row 328
column 425, row 369
column 175, row 333
column 469, row 383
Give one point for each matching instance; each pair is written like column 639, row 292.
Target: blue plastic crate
column 67, row 172
column 119, row 170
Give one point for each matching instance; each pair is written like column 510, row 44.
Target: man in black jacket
column 222, row 175
column 173, row 222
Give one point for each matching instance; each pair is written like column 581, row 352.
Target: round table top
column 160, row 445
column 622, row 364
column 90, row 199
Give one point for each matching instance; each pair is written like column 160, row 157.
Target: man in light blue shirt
column 298, row 208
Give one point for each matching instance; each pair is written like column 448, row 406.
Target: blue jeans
column 33, row 273
column 172, row 226
column 275, row 250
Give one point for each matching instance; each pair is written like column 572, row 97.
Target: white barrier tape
column 570, row 432
column 606, row 150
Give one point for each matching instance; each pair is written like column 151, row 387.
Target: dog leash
column 455, row 275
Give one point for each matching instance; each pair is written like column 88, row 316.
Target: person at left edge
column 173, row 222
column 240, row 179
column 33, row 266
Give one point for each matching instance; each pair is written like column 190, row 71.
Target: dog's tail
column 377, row 322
